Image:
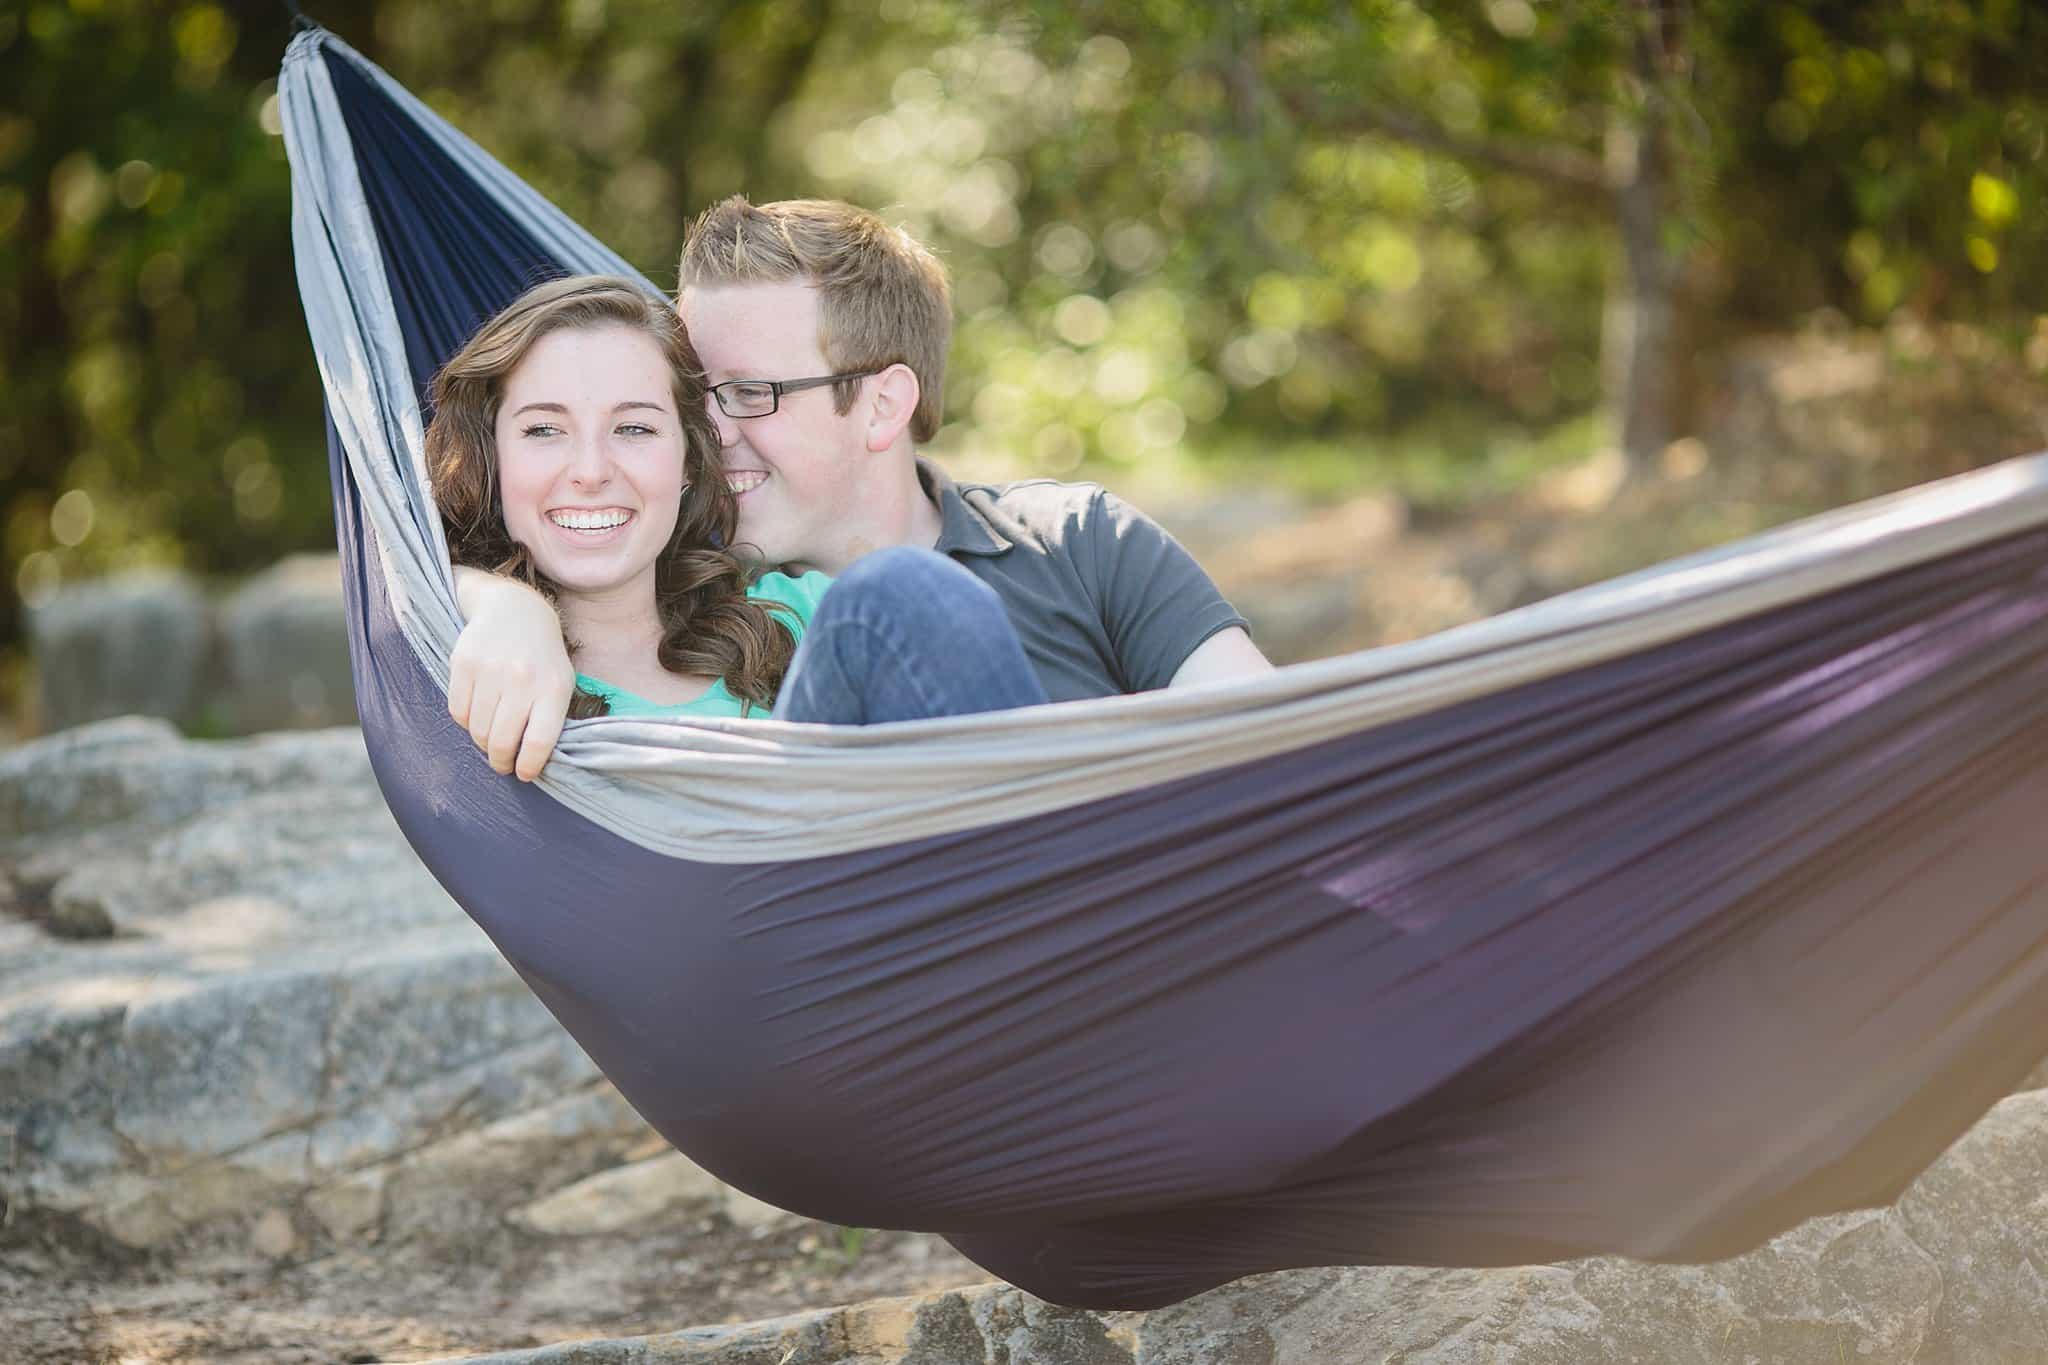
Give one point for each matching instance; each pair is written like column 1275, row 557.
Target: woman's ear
column 892, row 403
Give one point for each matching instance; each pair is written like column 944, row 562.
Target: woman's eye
column 541, row 429
column 635, row 429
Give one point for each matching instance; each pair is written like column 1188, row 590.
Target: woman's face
column 591, row 459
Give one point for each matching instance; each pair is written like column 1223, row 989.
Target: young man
column 823, row 332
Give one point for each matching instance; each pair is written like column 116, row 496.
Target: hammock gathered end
column 1650, row 919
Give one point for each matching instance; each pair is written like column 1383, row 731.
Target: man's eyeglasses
column 759, row 397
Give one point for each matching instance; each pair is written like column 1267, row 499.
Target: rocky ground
column 267, row 1095
column 1947, row 1277
column 69, row 1298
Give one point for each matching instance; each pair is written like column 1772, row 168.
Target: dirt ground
column 67, row 1300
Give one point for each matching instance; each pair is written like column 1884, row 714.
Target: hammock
column 1647, row 920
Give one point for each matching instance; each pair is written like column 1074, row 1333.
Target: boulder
column 627, row 1196
column 277, row 1018
column 286, row 652
column 135, row 644
column 272, row 655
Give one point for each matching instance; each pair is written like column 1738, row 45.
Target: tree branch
column 706, row 86
column 794, row 62
column 1555, row 164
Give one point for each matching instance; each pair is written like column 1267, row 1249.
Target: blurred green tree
column 1475, row 211
column 163, row 404
column 148, row 332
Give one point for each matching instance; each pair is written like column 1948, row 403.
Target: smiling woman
column 590, row 466
column 570, row 449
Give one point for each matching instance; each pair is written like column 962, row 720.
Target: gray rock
column 993, row 1324
column 78, row 913
column 1980, row 1214
column 73, row 795
column 286, row 649
column 258, row 1041
column 757, row 1215
column 290, row 1015
column 448, row 1191
column 1947, row 1276
column 274, row 1237
column 135, row 644
column 625, row 1197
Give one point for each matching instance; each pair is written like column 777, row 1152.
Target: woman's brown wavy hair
column 708, row 623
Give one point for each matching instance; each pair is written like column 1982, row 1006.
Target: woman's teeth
column 745, row 481
column 589, row 521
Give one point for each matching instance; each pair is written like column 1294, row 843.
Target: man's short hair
column 883, row 296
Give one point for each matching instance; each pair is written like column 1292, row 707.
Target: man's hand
column 509, row 678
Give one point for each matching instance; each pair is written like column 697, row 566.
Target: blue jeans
column 907, row 634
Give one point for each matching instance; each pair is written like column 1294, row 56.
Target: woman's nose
column 590, row 466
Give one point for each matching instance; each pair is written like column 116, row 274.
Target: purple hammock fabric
column 1656, row 957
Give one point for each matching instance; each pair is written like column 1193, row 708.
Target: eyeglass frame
column 776, row 388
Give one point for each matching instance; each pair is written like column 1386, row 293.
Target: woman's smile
column 590, row 525
column 590, row 460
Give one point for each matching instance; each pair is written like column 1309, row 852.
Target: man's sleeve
column 1157, row 603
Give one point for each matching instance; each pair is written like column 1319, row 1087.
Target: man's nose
column 728, row 427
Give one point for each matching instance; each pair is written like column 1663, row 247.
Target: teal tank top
column 799, row 594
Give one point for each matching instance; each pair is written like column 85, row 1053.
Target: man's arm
column 509, row 678
column 1156, row 600
column 1228, row 653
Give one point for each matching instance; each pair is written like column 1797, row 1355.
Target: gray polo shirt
column 1104, row 600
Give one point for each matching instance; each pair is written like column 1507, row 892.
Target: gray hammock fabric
column 1649, row 919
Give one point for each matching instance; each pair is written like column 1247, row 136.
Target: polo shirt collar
column 962, row 528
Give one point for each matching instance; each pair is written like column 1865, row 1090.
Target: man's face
column 798, row 472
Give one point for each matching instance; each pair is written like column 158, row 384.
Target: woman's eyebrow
column 619, row 407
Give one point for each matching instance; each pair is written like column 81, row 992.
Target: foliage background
column 1377, row 241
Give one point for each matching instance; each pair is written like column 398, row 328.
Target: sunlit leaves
column 1993, row 201
column 1172, row 225
column 1899, row 141
column 204, row 38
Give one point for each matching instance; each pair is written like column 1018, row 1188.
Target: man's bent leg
column 907, row 634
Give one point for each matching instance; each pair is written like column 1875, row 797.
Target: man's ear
column 892, row 402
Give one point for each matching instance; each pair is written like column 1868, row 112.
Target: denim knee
column 907, row 634
column 922, row 593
